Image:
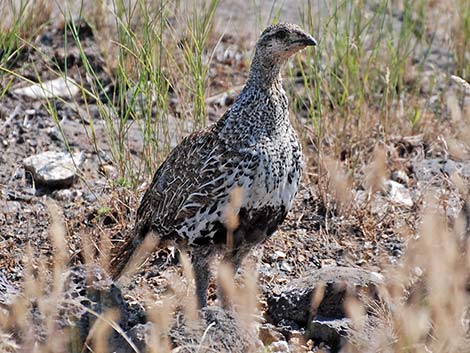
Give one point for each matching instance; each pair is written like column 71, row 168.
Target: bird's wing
column 198, row 173
column 160, row 203
column 172, row 181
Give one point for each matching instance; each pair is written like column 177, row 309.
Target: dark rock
column 138, row 335
column 217, row 331
column 331, row 332
column 94, row 292
column 294, row 301
column 268, row 334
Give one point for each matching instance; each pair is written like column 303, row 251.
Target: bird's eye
column 282, row 34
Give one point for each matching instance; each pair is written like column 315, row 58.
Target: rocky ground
column 320, row 242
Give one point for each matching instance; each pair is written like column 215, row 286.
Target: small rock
column 138, row 335
column 328, row 262
column 54, row 169
column 66, row 195
column 60, row 87
column 19, row 173
column 90, row 197
column 55, row 134
column 279, row 347
column 398, row 193
column 109, row 171
column 400, row 176
column 280, row 254
column 330, row 332
column 10, row 208
column 269, row 334
column 286, row 267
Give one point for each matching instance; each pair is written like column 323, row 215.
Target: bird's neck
column 265, row 73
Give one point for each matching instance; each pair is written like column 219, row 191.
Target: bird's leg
column 201, row 276
column 234, row 258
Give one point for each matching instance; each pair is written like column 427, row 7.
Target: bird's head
column 279, row 42
column 276, row 44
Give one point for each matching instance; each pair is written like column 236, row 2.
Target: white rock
column 60, row 87
column 279, row 347
column 398, row 193
column 280, row 254
column 54, row 169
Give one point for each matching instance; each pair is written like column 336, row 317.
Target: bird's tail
column 135, row 249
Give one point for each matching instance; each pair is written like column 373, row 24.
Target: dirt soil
column 309, row 237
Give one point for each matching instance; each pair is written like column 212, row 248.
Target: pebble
column 66, row 195
column 90, row 197
column 286, row 267
column 279, row 347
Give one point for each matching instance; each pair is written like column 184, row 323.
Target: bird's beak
column 308, row 41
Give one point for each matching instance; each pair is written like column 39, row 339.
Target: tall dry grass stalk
column 230, row 215
column 138, row 258
column 160, row 315
column 376, row 172
column 339, row 183
column 97, row 340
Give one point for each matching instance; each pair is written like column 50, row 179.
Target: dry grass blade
column 97, row 339
column 377, row 171
column 230, row 215
column 189, row 298
column 141, row 254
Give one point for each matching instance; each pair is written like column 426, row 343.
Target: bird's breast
column 277, row 176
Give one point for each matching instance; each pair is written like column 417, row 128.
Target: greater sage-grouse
column 252, row 148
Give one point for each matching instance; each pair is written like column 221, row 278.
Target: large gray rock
column 293, row 303
column 54, row 169
column 326, row 320
column 427, row 169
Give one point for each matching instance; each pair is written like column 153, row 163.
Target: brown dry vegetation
column 385, row 92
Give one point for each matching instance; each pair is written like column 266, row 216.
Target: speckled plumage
column 253, row 147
